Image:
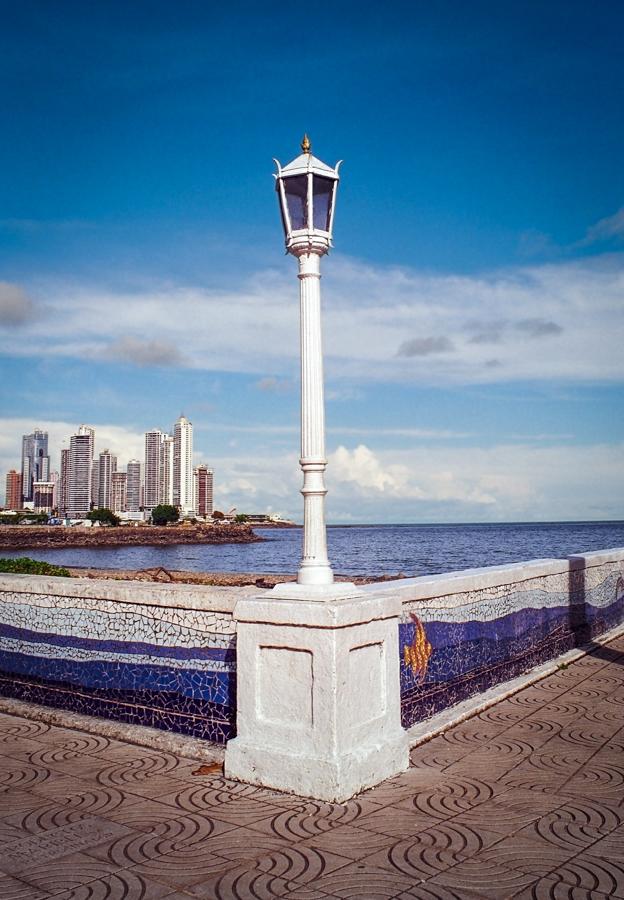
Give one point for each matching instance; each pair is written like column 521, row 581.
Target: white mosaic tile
column 106, row 621
column 80, row 654
column 492, row 603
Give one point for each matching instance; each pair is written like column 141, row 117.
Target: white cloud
column 122, row 442
column 16, row 307
column 362, row 468
column 605, row 229
column 144, row 353
column 525, row 481
column 538, row 328
column 380, row 324
column 274, row 385
column 506, row 482
column 343, row 394
column 416, row 433
column 376, row 473
column 369, row 430
column 425, row 346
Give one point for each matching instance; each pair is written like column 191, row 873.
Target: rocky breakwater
column 18, row 537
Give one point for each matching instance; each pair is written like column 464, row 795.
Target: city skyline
column 472, row 307
column 88, row 478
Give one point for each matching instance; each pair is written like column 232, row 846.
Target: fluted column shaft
column 315, row 568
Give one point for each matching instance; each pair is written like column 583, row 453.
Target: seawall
column 163, row 656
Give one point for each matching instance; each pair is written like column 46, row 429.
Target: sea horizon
column 464, row 524
column 365, row 550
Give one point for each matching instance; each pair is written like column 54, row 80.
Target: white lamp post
column 318, row 688
column 306, row 188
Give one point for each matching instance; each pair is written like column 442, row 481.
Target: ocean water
column 362, row 549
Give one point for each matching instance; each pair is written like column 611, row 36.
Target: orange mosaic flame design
column 416, row 655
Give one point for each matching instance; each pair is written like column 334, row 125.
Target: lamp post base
column 338, row 590
column 318, row 691
column 314, row 573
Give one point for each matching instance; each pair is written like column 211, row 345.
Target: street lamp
column 306, row 189
column 318, row 688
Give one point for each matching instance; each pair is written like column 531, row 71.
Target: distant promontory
column 18, row 537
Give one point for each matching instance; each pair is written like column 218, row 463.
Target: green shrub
column 164, row 513
column 104, row 515
column 24, row 518
column 24, row 565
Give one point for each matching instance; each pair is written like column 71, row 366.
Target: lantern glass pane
column 281, row 209
column 323, row 191
column 296, row 189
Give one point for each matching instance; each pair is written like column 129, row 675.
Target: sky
column 473, row 305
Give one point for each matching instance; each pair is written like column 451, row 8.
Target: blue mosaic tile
column 185, row 683
column 465, row 658
column 177, row 669
column 227, row 654
column 217, row 725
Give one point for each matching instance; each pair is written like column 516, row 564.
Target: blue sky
column 473, row 306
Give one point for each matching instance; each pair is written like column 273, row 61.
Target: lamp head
column 306, row 189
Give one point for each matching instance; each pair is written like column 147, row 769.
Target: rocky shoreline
column 18, row 537
column 162, row 575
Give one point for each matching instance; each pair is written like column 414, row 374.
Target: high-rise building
column 55, row 479
column 43, row 496
column 95, row 484
column 107, row 465
column 168, row 476
column 166, row 469
column 119, row 492
column 203, row 480
column 133, row 486
column 152, row 479
column 63, row 484
column 35, row 462
column 13, row 496
column 79, row 466
column 183, row 466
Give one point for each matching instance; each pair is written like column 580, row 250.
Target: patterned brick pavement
column 525, row 800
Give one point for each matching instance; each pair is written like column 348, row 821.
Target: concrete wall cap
column 426, row 587
column 598, row 557
column 177, row 596
column 308, row 613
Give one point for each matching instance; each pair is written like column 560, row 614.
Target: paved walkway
column 525, row 800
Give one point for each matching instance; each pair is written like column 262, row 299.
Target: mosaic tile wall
column 168, row 668
column 175, row 669
column 455, row 647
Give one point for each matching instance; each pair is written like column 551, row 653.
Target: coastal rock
column 18, row 537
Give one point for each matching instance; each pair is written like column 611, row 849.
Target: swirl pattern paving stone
column 523, row 801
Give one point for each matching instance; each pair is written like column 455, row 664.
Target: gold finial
column 305, row 144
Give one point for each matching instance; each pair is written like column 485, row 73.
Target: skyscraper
column 95, row 484
column 133, row 487
column 119, row 492
column 107, row 464
column 166, row 469
column 35, row 462
column 43, row 496
column 79, row 465
column 183, row 466
column 13, row 497
column 63, row 485
column 203, row 478
column 152, row 471
column 169, row 468
column 56, row 481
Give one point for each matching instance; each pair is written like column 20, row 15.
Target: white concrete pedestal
column 318, row 694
